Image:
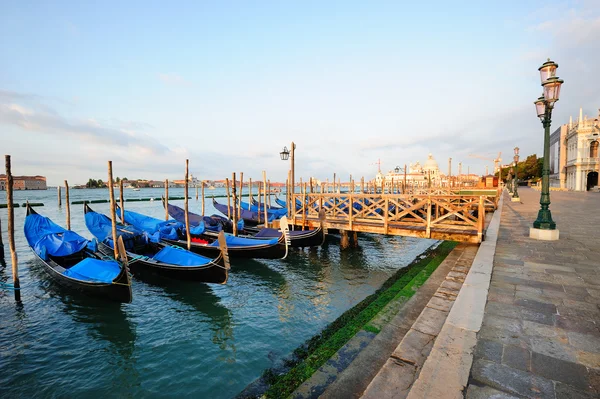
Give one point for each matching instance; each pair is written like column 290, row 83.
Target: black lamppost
column 397, row 169
column 285, row 155
column 551, row 85
column 516, row 179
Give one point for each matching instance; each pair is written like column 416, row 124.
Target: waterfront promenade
column 540, row 336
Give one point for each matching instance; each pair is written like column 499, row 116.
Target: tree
column 100, row 183
column 117, row 179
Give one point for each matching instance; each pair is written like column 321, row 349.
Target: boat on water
column 214, row 223
column 298, row 238
column 149, row 255
column 206, row 243
column 250, row 218
column 72, row 261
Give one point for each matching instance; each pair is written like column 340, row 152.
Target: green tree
column 100, row 183
column 117, row 179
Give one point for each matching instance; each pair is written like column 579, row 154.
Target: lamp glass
column 552, row 89
column 540, row 107
column 285, row 154
column 548, row 70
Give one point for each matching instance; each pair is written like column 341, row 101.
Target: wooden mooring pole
column 185, row 204
column 122, row 200
column 265, row 194
column 228, row 199
column 2, row 262
column 68, row 205
column 235, row 204
column 113, row 216
column 11, row 229
column 59, row 197
column 166, row 199
column 239, row 215
column 202, row 188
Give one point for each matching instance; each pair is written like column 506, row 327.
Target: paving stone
column 586, row 342
column 594, row 292
column 485, row 392
column 515, row 381
column 505, row 323
column 516, row 357
column 553, row 347
column 588, row 359
column 578, row 313
column 559, row 370
column 564, row 391
column 538, row 298
column 414, row 347
column 430, row 321
column 505, row 337
column 580, row 305
column 536, row 305
column 581, row 291
column 439, row 303
column 489, row 350
column 534, row 329
column 393, row 381
column 577, row 325
column 451, row 285
column 517, row 312
column 502, row 298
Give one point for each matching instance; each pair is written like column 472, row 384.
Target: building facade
column 574, row 154
column 25, row 183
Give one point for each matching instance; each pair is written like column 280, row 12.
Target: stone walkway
column 540, row 336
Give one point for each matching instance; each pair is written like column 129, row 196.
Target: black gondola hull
column 119, row 290
column 214, row 272
column 261, row 251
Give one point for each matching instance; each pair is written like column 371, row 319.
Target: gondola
column 72, row 261
column 298, row 238
column 213, row 223
column 151, row 256
column 250, row 218
column 276, row 212
column 205, row 243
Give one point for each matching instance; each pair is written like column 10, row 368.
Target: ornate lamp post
column 516, row 178
column 397, row 169
column 285, row 155
column 544, row 228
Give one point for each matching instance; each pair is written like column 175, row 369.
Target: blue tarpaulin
column 278, row 213
column 267, row 232
column 49, row 239
column 157, row 229
column 181, row 257
column 101, row 227
column 233, row 241
column 95, row 270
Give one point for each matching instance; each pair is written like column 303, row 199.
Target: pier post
column 239, row 209
column 59, row 197
column 344, row 241
column 113, row 216
column 166, row 198
column 202, row 189
column 122, row 200
column 196, row 192
column 68, row 205
column 228, row 199
column 185, row 203
column 428, row 228
column 11, row 229
column 2, row 262
column 235, row 206
column 355, row 239
column 265, row 194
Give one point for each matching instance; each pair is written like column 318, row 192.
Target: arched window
column 594, row 149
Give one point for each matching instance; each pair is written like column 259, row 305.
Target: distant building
column 25, row 183
column 427, row 175
column 574, row 154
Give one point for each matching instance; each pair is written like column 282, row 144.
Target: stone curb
column 446, row 371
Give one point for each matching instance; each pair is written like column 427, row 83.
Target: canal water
column 176, row 338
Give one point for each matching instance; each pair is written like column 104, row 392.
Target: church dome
column 430, row 164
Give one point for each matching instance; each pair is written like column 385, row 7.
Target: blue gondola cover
column 49, row 239
column 157, row 229
column 179, row 256
column 233, row 241
column 277, row 213
column 101, row 227
column 94, row 270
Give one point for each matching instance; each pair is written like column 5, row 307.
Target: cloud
column 28, row 112
column 174, row 79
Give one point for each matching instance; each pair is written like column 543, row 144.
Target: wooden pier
column 440, row 214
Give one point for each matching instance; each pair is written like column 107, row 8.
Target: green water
column 176, row 338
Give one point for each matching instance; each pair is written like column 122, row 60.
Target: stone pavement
column 540, row 336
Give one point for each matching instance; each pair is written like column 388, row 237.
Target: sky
column 148, row 84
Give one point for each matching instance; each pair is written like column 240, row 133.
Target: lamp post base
column 516, row 199
column 542, row 234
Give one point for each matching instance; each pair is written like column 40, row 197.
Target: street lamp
column 397, row 169
column 516, row 179
column 544, row 228
column 285, row 154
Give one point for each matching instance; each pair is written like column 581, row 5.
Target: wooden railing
column 436, row 215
